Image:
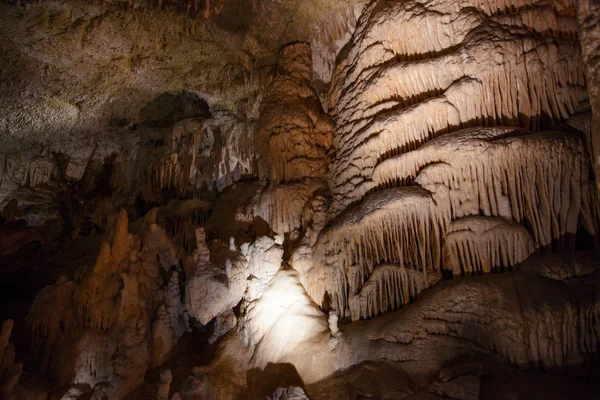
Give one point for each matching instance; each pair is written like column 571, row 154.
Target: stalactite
column 182, row 225
column 282, row 205
column 175, row 166
column 477, row 244
column 383, row 227
column 379, row 109
column 41, row 170
column 483, row 164
column 417, row 149
column 329, row 37
column 389, row 287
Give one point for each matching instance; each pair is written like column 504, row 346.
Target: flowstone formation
column 390, row 199
column 420, row 153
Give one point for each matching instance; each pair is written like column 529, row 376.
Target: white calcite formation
column 478, row 245
column 284, row 325
column 211, row 289
column 291, row 393
column 420, row 151
column 264, row 260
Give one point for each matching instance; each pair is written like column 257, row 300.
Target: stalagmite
column 10, row 372
column 294, row 136
column 210, row 291
column 120, row 241
column 163, row 339
column 117, row 321
column 164, row 385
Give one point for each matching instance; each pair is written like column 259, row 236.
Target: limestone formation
column 587, row 17
column 10, row 372
column 418, row 153
column 291, row 393
column 476, row 245
column 213, row 289
column 503, row 313
column 122, row 318
column 295, row 133
column 273, row 199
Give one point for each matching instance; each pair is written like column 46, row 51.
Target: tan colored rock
column 416, row 149
column 119, row 320
column 120, row 241
column 294, row 136
column 588, row 13
column 10, row 372
column 282, row 205
column 475, row 245
column 504, row 314
column 164, row 385
column 382, row 88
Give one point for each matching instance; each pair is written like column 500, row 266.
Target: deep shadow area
column 263, row 383
column 168, row 108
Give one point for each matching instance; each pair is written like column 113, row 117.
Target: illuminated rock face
column 436, row 129
column 399, row 224
column 210, row 289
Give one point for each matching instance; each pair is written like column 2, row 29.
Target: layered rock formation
column 385, row 200
column 420, row 151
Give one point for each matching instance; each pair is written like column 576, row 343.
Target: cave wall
column 359, row 184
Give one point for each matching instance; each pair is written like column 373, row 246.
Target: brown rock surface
column 279, row 199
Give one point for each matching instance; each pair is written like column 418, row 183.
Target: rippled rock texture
column 292, row 200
